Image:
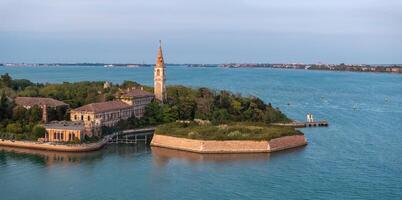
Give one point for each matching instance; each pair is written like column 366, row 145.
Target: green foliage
column 75, row 94
column 5, row 80
column 38, row 131
column 57, row 114
column 20, row 84
column 232, row 131
column 35, row 114
column 153, row 113
column 5, row 107
column 14, row 128
column 219, row 106
column 183, row 103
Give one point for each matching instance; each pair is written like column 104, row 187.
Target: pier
column 132, row 136
column 297, row 124
column 315, row 124
column 310, row 123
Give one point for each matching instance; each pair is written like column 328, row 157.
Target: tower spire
column 159, row 76
column 159, row 58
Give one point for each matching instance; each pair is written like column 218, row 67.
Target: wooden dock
column 297, row 124
column 316, row 124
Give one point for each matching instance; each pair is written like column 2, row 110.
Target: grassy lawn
column 234, row 131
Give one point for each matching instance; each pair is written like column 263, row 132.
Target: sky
column 201, row 31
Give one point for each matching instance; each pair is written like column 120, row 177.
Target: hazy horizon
column 240, row 31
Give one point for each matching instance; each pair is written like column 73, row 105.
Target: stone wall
column 228, row 146
column 287, row 142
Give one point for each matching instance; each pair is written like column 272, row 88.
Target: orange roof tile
column 40, row 101
column 102, row 106
column 137, row 93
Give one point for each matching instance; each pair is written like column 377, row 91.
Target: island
column 85, row 116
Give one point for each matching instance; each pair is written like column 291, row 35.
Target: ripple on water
column 356, row 157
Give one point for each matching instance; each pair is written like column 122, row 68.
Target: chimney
column 44, row 114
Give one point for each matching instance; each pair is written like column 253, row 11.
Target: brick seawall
column 228, row 146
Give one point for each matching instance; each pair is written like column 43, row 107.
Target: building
column 132, row 103
column 160, row 76
column 310, row 117
column 108, row 113
column 64, row 131
column 43, row 103
column 96, row 115
column 139, row 99
column 107, row 85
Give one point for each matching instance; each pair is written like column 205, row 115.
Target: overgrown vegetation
column 183, row 103
column 232, row 131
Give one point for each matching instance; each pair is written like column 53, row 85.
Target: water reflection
column 162, row 156
column 49, row 158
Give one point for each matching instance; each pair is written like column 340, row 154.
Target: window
column 75, row 117
column 158, row 73
column 82, row 117
column 62, row 136
column 54, row 136
column 89, row 118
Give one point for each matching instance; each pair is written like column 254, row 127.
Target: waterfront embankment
column 76, row 147
column 228, row 146
column 55, row 147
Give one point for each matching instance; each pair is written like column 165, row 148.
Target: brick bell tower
column 160, row 76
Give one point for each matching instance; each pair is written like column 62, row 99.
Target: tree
column 169, row 114
column 14, row 128
column 20, row 84
column 153, row 113
column 5, row 107
column 38, row 132
column 35, row 114
column 220, row 116
column 6, row 80
column 186, row 108
column 20, row 114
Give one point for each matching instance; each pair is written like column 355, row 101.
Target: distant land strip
column 381, row 68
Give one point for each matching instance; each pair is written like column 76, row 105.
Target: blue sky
column 201, row 31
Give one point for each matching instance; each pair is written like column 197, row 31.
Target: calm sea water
column 359, row 156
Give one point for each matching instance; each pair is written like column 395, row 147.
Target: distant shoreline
column 378, row 68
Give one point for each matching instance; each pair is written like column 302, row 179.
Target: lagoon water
column 359, row 156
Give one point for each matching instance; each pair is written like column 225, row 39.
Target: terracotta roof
column 102, row 106
column 40, row 101
column 137, row 93
column 65, row 125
